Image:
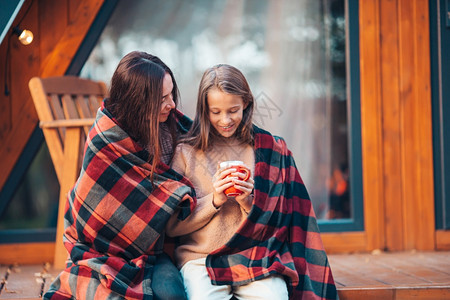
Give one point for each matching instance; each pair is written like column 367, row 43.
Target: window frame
column 356, row 222
column 440, row 90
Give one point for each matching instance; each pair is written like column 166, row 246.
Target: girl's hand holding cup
column 222, row 180
column 242, row 183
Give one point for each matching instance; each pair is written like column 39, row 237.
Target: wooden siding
column 27, row 253
column 396, row 131
column 396, row 124
column 442, row 239
column 371, row 122
column 59, row 27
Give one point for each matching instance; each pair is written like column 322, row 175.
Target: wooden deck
column 389, row 276
column 25, row 282
column 386, row 276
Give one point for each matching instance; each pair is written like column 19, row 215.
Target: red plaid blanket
column 115, row 217
column 280, row 234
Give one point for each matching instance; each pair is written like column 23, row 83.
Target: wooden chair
column 66, row 107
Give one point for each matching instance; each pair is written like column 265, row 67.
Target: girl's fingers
column 222, row 187
column 223, row 181
column 239, row 174
column 226, row 180
column 226, row 172
column 246, row 191
column 222, row 173
column 244, row 199
column 246, row 184
column 227, row 177
column 242, row 176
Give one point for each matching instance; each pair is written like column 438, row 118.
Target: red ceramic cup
column 239, row 166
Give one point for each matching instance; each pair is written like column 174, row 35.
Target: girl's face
column 225, row 111
column 167, row 103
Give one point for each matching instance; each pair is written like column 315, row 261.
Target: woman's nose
column 171, row 103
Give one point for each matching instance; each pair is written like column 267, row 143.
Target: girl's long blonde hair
column 230, row 80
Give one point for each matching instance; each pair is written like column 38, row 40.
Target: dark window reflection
column 35, row 202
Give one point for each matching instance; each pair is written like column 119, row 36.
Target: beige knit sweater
column 207, row 228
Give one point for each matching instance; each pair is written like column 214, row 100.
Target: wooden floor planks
column 397, row 275
column 386, row 276
column 25, row 282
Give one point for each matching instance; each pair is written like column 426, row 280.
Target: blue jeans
column 167, row 283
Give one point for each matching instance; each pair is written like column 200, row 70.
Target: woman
column 117, row 211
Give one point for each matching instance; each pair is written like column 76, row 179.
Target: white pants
column 198, row 286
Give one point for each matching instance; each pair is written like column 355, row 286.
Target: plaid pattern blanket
column 115, row 217
column 280, row 234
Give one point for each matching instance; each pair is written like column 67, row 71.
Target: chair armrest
column 67, row 123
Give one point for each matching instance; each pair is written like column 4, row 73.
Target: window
column 29, row 199
column 440, row 88
column 295, row 56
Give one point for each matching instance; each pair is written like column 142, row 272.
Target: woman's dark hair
column 230, row 80
column 135, row 100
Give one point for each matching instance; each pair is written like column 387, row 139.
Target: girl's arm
column 202, row 214
column 207, row 206
column 204, row 209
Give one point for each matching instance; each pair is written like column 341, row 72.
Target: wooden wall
column 396, row 130
column 396, row 124
column 59, row 27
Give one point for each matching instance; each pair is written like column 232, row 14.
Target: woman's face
column 225, row 111
column 167, row 103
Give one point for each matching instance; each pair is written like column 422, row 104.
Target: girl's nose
column 226, row 119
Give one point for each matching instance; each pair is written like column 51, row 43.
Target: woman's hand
column 220, row 183
column 244, row 200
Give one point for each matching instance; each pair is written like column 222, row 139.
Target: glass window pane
column 293, row 54
column 35, row 202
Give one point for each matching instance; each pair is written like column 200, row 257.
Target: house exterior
column 397, row 63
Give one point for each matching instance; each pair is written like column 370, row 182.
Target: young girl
column 264, row 243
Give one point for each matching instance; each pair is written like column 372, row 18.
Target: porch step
column 385, row 276
column 392, row 275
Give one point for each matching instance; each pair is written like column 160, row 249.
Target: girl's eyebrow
column 235, row 106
